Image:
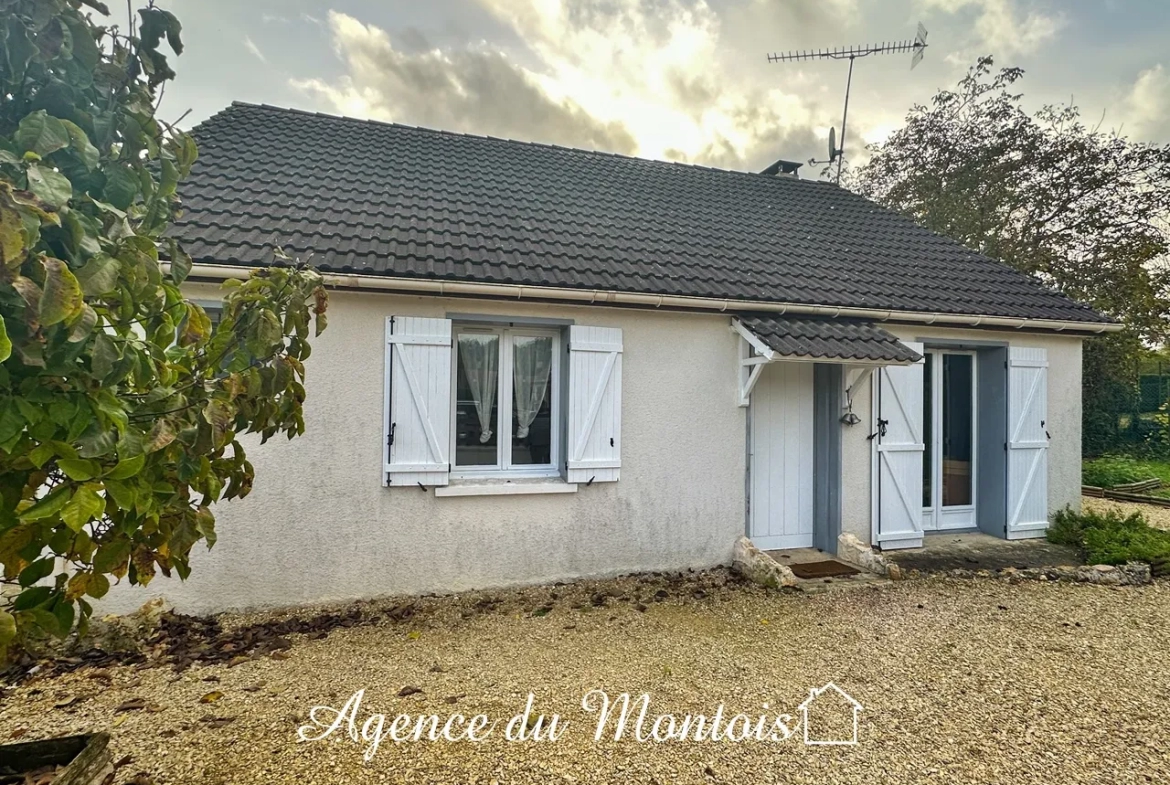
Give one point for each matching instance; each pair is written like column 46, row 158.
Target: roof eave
column 358, row 281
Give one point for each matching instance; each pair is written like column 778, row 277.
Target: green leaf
column 31, row 598
column 82, row 324
column 63, row 611
column 99, row 275
column 155, row 24
column 111, row 556
column 18, row 49
column 79, row 469
column 37, row 571
column 98, row 586
column 41, row 133
column 121, row 186
column 48, row 506
column 12, row 234
column 105, row 355
column 62, row 297
column 127, row 468
column 5, row 342
column 180, row 262
column 97, row 442
column 80, row 144
column 87, row 503
column 51, row 186
column 85, row 48
column 122, row 493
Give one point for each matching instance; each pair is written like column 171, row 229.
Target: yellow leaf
column 413, row 635
column 211, row 697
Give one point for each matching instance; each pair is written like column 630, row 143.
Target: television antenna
column 917, row 47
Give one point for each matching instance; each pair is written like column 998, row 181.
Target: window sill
column 505, row 487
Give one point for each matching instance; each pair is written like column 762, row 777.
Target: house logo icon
column 824, row 713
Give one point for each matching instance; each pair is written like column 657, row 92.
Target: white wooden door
column 1028, row 435
column 900, row 449
column 781, row 502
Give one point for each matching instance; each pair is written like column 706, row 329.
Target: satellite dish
column 834, row 151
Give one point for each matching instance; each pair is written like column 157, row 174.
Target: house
column 545, row 363
column 827, row 715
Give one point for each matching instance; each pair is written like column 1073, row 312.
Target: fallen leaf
column 216, row 722
column 413, row 635
column 279, row 654
column 408, row 690
column 72, row 700
column 211, row 697
column 134, row 704
column 16, row 734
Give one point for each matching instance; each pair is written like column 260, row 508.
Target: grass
column 1111, row 470
column 1110, row 537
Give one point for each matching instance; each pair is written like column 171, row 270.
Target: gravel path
column 962, row 682
column 1159, row 517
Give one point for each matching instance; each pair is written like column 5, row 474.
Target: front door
column 780, row 512
column 949, row 428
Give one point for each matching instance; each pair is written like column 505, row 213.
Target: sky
column 681, row 80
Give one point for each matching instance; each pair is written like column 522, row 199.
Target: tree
column 1083, row 210
column 121, row 408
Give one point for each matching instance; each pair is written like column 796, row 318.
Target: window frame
column 503, row 467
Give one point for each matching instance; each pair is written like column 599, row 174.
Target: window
column 482, row 400
column 506, row 401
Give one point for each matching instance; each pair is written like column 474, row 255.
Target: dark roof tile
column 359, row 196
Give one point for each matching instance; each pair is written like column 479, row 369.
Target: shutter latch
column 390, row 436
column 881, row 429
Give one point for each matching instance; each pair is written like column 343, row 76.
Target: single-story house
column 545, row 363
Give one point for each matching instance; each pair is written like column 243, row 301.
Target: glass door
column 948, row 466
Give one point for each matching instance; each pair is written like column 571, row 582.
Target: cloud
column 1146, row 108
column 477, row 90
column 250, row 45
column 655, row 78
column 1000, row 27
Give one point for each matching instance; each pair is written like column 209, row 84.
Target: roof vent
column 783, row 168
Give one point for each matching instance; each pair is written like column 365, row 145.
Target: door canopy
column 775, row 338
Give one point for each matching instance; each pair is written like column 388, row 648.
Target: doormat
column 822, row 569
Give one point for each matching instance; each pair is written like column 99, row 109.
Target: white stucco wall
column 319, row 526
column 1064, row 417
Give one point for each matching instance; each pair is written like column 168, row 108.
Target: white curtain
column 480, row 356
column 532, row 366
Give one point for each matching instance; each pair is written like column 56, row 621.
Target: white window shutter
column 1028, row 434
column 900, row 451
column 595, row 404
column 417, row 419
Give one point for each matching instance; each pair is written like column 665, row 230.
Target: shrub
column 1110, row 537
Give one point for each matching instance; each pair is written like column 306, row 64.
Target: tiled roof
column 838, row 339
column 375, row 198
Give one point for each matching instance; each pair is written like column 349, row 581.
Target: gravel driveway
column 962, row 682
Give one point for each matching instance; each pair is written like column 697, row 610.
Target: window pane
column 928, row 432
column 477, row 412
column 958, row 412
column 531, row 400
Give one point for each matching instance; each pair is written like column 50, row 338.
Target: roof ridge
column 506, row 140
